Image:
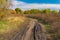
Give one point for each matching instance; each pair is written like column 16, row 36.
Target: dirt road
column 29, row 31
column 33, row 31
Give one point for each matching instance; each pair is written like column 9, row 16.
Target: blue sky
column 36, row 4
column 42, row 1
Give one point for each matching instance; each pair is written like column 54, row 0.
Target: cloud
column 26, row 6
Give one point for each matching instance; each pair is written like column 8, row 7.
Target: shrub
column 18, row 10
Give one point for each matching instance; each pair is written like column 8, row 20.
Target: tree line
column 37, row 11
column 5, row 9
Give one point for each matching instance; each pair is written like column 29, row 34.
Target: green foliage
column 18, row 10
column 46, row 11
column 32, row 11
column 37, row 11
column 27, row 12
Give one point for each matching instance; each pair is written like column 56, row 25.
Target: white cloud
column 26, row 6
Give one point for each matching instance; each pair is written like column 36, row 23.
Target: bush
column 18, row 10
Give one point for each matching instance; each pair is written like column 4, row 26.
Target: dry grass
column 10, row 23
column 52, row 23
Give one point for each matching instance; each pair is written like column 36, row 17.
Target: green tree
column 35, row 11
column 32, row 11
column 18, row 10
column 47, row 11
column 27, row 12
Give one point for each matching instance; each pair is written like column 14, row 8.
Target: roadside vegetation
column 51, row 22
column 10, row 23
column 10, row 19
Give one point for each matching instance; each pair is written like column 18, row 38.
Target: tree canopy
column 32, row 11
column 18, row 10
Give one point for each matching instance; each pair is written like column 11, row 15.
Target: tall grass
column 10, row 23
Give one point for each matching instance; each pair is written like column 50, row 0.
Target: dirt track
column 32, row 30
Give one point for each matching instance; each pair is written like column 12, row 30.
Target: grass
column 48, row 20
column 10, row 23
column 49, row 29
column 3, row 26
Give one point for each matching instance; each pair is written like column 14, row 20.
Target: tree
column 35, row 11
column 47, row 11
column 4, row 5
column 32, row 11
column 27, row 12
column 18, row 10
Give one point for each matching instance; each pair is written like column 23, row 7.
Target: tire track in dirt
column 29, row 31
column 34, row 31
column 39, row 32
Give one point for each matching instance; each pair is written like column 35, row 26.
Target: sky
column 36, row 4
column 42, row 1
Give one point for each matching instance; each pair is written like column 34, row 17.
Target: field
column 10, row 23
column 14, row 20
column 51, row 22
